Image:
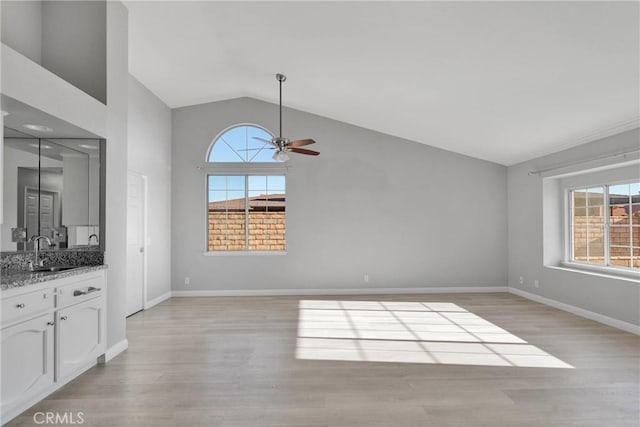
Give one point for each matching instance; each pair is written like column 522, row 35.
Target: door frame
column 145, row 242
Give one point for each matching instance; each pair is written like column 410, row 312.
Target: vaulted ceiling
column 500, row 81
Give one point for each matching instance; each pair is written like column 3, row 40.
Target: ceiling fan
column 284, row 145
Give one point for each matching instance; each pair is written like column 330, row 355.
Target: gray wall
column 616, row 298
column 116, row 169
column 74, row 44
column 149, row 153
column 406, row 214
column 67, row 38
column 22, row 27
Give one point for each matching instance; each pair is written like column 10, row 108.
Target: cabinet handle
column 63, row 317
column 50, row 323
column 21, row 305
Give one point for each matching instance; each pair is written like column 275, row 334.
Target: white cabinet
column 80, row 336
column 27, row 359
column 51, row 332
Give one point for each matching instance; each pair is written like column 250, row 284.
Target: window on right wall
column 605, row 225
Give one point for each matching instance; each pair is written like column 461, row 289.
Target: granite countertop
column 10, row 279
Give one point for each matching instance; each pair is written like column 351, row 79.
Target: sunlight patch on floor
column 410, row 332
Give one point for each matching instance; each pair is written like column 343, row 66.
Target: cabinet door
column 27, row 359
column 80, row 336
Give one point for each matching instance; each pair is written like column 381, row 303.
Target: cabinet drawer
column 80, row 291
column 28, row 304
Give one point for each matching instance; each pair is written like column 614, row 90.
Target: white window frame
column 568, row 235
column 245, row 169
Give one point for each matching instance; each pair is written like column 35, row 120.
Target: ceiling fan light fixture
column 280, row 156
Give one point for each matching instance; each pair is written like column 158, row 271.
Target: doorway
column 136, row 241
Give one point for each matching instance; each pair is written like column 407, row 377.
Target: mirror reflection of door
column 47, row 213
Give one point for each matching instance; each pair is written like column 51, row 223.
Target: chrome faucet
column 96, row 236
column 36, row 246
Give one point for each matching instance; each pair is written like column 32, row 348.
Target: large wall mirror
column 51, row 188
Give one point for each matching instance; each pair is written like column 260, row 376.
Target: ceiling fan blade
column 301, row 143
column 264, row 140
column 303, row 151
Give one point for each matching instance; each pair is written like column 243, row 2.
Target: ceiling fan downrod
column 281, row 78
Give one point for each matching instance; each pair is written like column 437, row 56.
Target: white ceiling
column 501, row 81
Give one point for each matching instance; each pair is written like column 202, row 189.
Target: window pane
column 267, row 214
column 227, row 213
column 620, row 236
column 634, row 191
column 217, row 182
column 635, row 217
column 588, row 228
column 226, row 216
column 276, row 183
column 258, row 221
column 579, row 226
column 620, row 256
column 217, row 200
column 595, row 196
column 596, row 245
column 620, row 191
column 579, row 199
column 235, row 230
column 255, row 194
column 636, row 257
column 619, row 214
column 258, row 183
column 222, row 152
column 580, row 212
column 239, row 144
column 235, row 183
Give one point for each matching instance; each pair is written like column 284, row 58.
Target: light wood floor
column 232, row 362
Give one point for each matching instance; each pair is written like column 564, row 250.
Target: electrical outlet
column 366, row 278
column 536, row 284
column 187, row 280
column 521, row 280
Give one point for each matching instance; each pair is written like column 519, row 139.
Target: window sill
column 244, row 253
column 601, row 271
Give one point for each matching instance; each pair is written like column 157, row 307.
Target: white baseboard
column 116, row 349
column 157, row 300
column 358, row 291
column 609, row 321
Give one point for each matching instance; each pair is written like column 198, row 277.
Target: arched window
column 240, row 144
column 246, row 199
